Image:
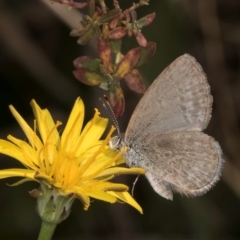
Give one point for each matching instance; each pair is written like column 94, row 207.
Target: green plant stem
column 47, row 230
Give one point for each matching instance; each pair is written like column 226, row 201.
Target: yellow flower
column 77, row 163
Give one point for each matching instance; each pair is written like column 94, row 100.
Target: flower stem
column 47, row 230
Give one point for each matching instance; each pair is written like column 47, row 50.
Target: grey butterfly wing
column 179, row 99
column 187, row 162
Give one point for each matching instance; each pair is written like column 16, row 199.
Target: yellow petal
column 107, row 163
column 11, row 150
column 42, row 176
column 30, row 157
column 91, row 133
column 126, row 197
column 15, row 172
column 103, row 157
column 80, row 194
column 20, row 182
column 45, row 124
column 74, row 126
column 121, row 170
column 31, row 135
column 100, row 162
column 109, row 186
column 100, row 195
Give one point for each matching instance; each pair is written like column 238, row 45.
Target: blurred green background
column 36, row 54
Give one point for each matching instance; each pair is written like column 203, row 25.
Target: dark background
column 36, row 55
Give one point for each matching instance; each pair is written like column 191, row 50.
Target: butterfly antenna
column 109, row 109
column 134, row 183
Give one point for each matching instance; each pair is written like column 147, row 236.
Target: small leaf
column 117, row 101
column 78, row 62
column 109, row 83
column 91, row 7
column 128, row 62
column 142, row 22
column 146, row 53
column 87, row 77
column 92, row 65
column 103, row 70
column 105, row 31
column 87, row 63
column 106, row 17
column 104, row 51
column 76, row 4
column 104, row 86
column 95, row 16
column 79, row 31
column 144, row 2
column 87, row 36
column 135, row 81
column 140, row 39
column 133, row 15
column 118, row 33
column 129, row 32
column 115, row 46
column 113, row 24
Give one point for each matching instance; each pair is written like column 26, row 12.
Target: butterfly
column 164, row 135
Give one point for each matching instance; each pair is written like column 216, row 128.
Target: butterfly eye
column 114, row 143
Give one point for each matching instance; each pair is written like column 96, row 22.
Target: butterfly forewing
column 179, row 99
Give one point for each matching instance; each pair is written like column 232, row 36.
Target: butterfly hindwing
column 186, row 162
